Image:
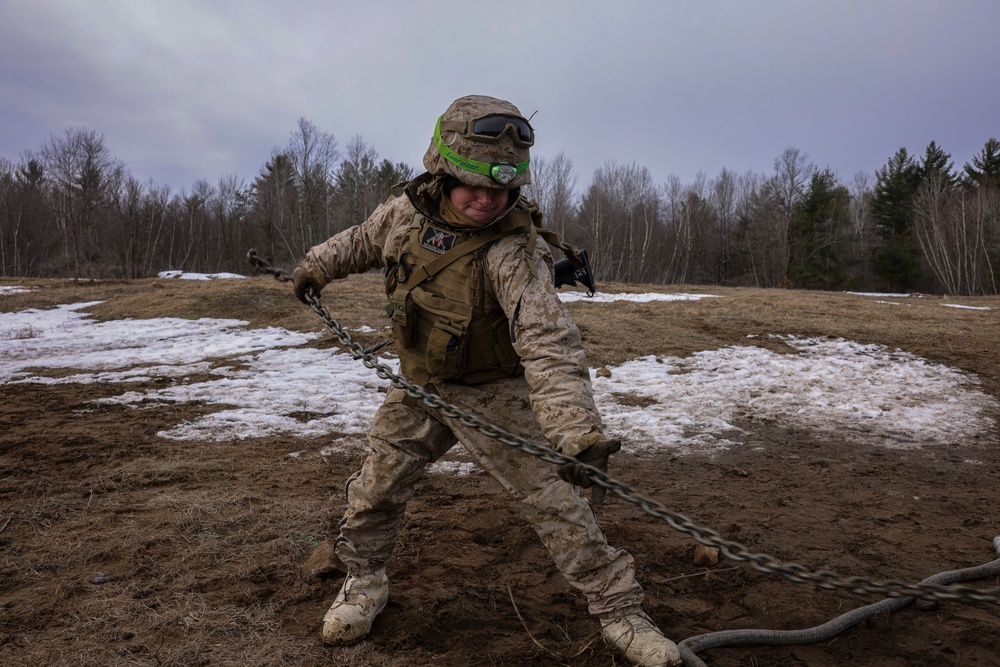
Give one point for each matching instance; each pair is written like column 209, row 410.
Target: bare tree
column 552, row 187
column 355, row 192
column 227, row 215
column 313, row 155
column 764, row 236
column 861, row 189
column 9, row 219
column 275, row 203
column 189, row 233
column 952, row 236
column 677, row 234
column 984, row 203
column 792, row 171
column 81, row 168
column 127, row 201
column 723, row 201
column 620, row 219
column 156, row 215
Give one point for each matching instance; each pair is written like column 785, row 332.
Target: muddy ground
column 118, row 547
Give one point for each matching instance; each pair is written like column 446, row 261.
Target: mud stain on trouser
column 405, row 439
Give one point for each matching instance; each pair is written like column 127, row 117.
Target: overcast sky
column 198, row 89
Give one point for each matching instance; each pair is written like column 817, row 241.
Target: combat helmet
column 483, row 142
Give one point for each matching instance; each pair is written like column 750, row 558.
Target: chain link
column 800, row 574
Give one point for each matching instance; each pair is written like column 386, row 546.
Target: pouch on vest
column 499, row 352
column 404, row 324
column 447, row 334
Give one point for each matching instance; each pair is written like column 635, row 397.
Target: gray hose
column 692, row 645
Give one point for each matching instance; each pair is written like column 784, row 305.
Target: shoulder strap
column 571, row 252
column 428, row 270
column 527, row 219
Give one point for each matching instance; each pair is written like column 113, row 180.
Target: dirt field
column 118, row 547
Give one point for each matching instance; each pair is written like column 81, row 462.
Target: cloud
column 187, row 90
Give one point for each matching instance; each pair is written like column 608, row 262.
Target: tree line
column 918, row 225
column 72, row 209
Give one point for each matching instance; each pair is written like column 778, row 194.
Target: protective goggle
column 492, row 127
column 501, row 172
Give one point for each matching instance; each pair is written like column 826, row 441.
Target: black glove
column 595, row 456
column 302, row 281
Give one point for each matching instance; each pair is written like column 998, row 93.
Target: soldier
column 476, row 320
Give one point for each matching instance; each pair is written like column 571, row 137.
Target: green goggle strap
column 474, row 166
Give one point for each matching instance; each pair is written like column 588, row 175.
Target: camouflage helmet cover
column 500, row 151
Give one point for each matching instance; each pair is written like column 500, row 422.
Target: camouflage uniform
column 553, row 400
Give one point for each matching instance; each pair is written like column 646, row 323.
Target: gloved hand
column 303, row 279
column 596, row 456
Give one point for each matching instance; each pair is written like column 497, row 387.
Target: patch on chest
column 437, row 240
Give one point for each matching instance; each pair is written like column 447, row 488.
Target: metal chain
column 735, row 551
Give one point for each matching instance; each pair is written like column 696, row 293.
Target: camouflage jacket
column 543, row 333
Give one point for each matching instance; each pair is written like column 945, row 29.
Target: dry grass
column 119, row 548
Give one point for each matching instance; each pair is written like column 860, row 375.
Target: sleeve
column 359, row 248
column 548, row 342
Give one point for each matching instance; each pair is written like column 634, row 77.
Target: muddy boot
column 360, row 600
column 639, row 640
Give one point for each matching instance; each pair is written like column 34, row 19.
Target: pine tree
column 819, row 234
column 985, row 167
column 897, row 260
column 937, row 163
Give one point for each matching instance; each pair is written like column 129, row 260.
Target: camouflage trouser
column 405, row 439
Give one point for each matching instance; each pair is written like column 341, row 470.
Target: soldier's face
column 481, row 204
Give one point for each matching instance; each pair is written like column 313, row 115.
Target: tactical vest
column 445, row 326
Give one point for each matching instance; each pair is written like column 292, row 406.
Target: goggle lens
column 494, row 126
